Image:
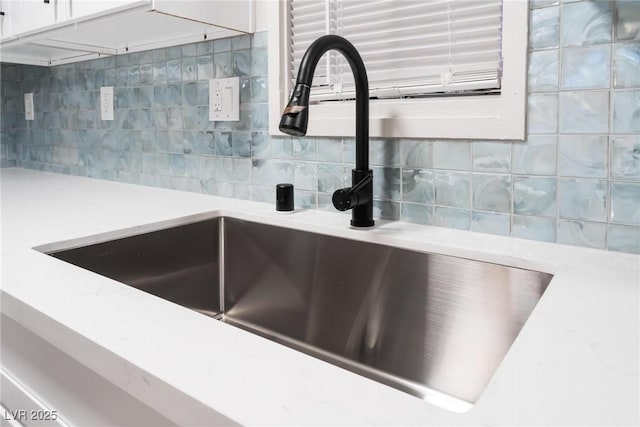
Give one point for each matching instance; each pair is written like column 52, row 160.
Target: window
column 412, row 51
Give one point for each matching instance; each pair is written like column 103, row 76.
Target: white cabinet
column 87, row 8
column 29, row 15
column 5, row 22
column 74, row 30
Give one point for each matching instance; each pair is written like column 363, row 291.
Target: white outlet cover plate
column 106, row 102
column 224, row 99
column 29, row 107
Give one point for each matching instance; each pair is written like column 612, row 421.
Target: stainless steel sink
column 431, row 325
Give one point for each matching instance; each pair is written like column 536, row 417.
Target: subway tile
column 121, row 77
column 241, row 144
column 241, row 42
column 625, row 157
column 384, row 152
column 260, row 193
column 383, row 209
column 583, row 156
column 261, row 144
column 543, row 71
column 204, row 67
column 417, row 186
column 623, row 238
column 452, row 189
column 542, row 114
column 147, row 97
column 627, row 25
column 159, row 55
column 582, row 233
column 626, row 63
column 626, row 111
column 492, row 192
column 625, row 202
column 534, row 228
column 544, row 28
column 204, row 48
column 534, row 196
column 195, row 93
column 452, row 155
column 584, row 112
column 190, row 49
column 242, row 170
column 582, row 199
column 189, row 69
column 586, row 23
column 159, row 72
column 491, row 156
column 325, row 204
column 223, row 143
column 174, row 70
column 222, row 45
column 586, row 67
column 224, row 169
column 241, row 61
column 127, row 97
column 452, row 218
column 260, row 39
column 305, row 176
column 387, row 183
column 330, row 177
column 259, row 89
column 175, row 119
column 245, row 89
column 259, row 61
column 305, row 148
column 491, row 222
column 416, row 153
column 305, row 200
column 329, row 150
column 146, row 74
column 260, row 117
column 417, row 213
column 282, row 148
column 146, row 57
column 133, row 76
column 246, row 118
column 193, row 166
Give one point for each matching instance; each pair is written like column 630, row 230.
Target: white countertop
column 574, row 363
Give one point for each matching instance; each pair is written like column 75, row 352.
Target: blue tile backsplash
column 575, row 180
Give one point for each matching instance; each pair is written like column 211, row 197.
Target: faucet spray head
column 295, row 116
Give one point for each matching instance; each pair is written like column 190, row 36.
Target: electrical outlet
column 106, row 102
column 224, row 99
column 29, row 107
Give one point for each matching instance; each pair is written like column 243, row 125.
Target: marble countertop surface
column 574, row 363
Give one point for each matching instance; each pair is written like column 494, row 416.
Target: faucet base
column 362, row 215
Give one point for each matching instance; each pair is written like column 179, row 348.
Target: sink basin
column 431, row 325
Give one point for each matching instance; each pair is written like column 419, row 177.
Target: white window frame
column 498, row 117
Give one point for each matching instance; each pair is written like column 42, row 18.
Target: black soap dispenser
column 284, row 197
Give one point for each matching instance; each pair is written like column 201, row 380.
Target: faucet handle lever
column 363, row 182
column 350, row 197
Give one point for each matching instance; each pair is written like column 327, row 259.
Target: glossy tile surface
column 574, row 169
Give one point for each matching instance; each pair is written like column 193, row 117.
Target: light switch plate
column 224, row 99
column 29, row 108
column 106, row 102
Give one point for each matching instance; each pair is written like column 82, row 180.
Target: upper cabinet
column 60, row 31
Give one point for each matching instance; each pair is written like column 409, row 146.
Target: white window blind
column 409, row 47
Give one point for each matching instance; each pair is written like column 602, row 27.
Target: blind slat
column 422, row 46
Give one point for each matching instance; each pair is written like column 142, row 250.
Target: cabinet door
column 5, row 19
column 85, row 8
column 30, row 15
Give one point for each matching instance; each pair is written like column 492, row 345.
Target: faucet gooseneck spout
column 295, row 117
